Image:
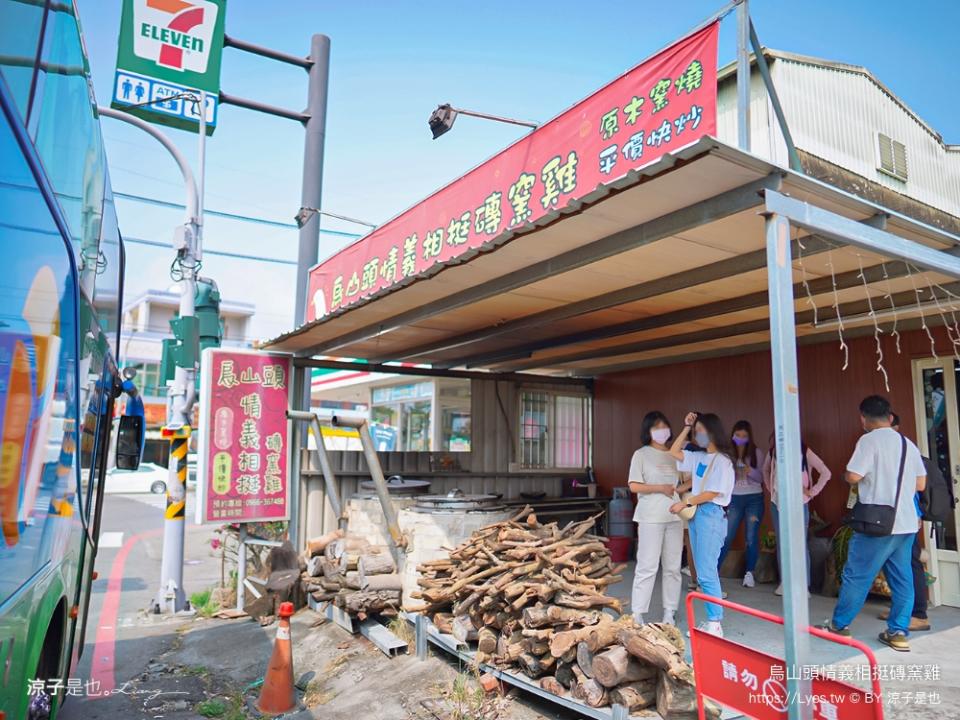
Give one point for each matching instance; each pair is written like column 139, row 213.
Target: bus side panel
column 41, row 523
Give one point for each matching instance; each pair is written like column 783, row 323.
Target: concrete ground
column 923, row 684
column 177, row 668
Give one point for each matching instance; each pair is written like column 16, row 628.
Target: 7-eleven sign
column 175, row 34
column 169, row 49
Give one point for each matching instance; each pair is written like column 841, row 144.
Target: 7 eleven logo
column 174, row 34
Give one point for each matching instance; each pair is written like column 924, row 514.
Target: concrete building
column 146, row 322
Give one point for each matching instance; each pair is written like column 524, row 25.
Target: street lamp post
column 442, row 119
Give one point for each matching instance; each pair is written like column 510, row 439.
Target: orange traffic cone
column 278, row 694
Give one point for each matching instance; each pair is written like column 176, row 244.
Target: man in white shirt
column 875, row 468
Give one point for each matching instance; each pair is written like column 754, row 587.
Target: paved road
column 122, row 637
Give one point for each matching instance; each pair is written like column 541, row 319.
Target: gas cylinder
column 621, row 514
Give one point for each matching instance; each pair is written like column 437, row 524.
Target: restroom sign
column 169, row 43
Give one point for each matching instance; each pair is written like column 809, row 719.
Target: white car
column 148, row 478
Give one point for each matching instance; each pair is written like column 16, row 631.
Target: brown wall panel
column 740, row 388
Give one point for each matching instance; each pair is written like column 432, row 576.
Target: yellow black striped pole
column 178, row 453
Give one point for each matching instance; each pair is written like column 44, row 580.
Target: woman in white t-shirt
column 712, row 480
column 654, row 478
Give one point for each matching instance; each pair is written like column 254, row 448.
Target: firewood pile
column 532, row 597
column 353, row 574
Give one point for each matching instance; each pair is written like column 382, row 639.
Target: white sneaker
column 711, row 627
column 669, row 617
column 748, row 580
column 779, row 590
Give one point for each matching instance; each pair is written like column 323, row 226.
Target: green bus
column 61, row 292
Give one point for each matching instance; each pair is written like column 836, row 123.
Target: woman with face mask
column 810, row 462
column 712, row 480
column 746, row 505
column 654, row 477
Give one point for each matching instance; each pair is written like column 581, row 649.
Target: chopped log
column 464, row 629
column 318, row 544
column 333, row 586
column 381, row 564
column 635, row 695
column 444, row 623
column 675, row 698
column 601, row 635
column 351, row 580
column 552, row 685
column 486, row 641
column 370, row 602
column 536, row 647
column 673, row 634
column 585, row 658
column 539, row 616
column 652, row 646
column 380, row 582
column 354, row 545
column 564, row 674
column 534, row 666
column 315, row 566
column 330, row 570
column 590, row 691
column 616, row 666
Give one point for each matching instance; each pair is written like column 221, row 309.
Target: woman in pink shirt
column 810, row 463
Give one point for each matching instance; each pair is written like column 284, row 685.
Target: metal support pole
column 376, row 472
column 743, row 76
column 792, row 156
column 786, row 404
column 330, row 480
column 420, row 636
column 242, row 566
column 309, row 245
column 295, row 529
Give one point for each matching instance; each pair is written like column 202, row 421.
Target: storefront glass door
column 938, row 436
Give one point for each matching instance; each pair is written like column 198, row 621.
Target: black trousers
column 919, row 581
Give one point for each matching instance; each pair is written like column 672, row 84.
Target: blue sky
column 393, row 62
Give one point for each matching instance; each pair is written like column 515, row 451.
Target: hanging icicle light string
column 877, row 332
column 894, row 332
column 836, row 308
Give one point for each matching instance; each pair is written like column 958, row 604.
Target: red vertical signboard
column 662, row 105
column 244, row 444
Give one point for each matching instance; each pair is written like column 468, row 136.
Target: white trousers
column 658, row 545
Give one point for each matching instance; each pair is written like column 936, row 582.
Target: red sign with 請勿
column 755, row 684
column 244, row 444
column 658, row 107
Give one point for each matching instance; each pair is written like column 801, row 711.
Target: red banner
column 244, row 447
column 660, row 106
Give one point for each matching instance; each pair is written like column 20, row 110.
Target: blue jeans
column 866, row 556
column 748, row 509
column 806, row 524
column 708, row 530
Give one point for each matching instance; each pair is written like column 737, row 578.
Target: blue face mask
column 702, row 439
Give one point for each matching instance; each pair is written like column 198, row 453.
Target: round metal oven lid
column 458, row 500
column 397, row 485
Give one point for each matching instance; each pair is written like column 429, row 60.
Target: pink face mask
column 660, row 435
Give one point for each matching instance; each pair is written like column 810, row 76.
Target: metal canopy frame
column 782, row 212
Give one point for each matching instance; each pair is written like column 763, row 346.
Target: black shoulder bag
column 874, row 519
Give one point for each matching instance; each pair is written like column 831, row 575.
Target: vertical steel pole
column 242, row 566
column 310, row 197
column 743, row 76
column 786, row 406
column 201, row 170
